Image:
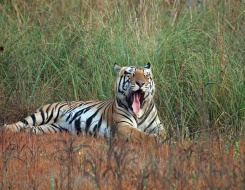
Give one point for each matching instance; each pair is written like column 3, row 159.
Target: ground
column 63, row 161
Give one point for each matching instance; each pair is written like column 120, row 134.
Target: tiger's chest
column 149, row 124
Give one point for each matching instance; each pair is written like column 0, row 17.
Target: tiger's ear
column 148, row 65
column 117, row 68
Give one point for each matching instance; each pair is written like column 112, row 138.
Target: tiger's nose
column 140, row 83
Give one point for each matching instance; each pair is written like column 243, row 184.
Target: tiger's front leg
column 129, row 133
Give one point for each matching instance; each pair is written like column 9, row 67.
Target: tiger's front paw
column 159, row 140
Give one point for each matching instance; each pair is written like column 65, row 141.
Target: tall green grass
column 58, row 51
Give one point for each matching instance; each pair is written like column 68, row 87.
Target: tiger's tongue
column 136, row 103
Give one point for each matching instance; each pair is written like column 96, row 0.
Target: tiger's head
column 134, row 88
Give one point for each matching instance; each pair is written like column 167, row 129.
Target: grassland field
column 65, row 50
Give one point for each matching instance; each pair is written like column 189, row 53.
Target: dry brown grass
column 75, row 162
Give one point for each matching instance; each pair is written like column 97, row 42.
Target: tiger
column 131, row 115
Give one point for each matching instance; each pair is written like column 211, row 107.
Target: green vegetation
column 65, row 50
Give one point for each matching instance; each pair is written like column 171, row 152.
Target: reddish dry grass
column 65, row 161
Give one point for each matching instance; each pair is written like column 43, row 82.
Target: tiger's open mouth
column 135, row 100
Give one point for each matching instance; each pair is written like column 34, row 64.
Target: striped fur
column 131, row 115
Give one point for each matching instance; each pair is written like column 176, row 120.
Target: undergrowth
column 63, row 161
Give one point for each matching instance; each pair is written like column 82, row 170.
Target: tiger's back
column 79, row 117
